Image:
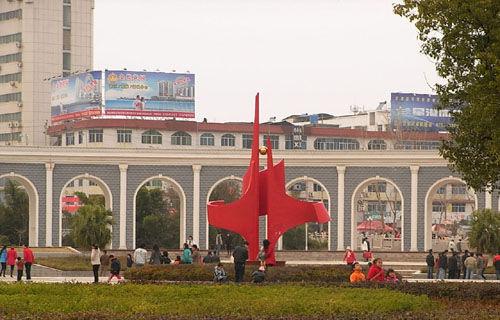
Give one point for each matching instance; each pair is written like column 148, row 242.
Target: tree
column 485, row 232
column 463, row 38
column 91, row 225
column 14, row 213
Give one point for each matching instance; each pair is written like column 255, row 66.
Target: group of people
column 9, row 258
column 468, row 265
column 376, row 272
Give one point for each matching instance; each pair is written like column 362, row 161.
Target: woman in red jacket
column 11, row 259
column 349, row 256
column 376, row 273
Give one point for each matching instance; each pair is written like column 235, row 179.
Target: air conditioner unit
column 16, row 124
column 19, row 104
column 19, row 44
column 11, row 125
column 12, row 84
column 20, row 64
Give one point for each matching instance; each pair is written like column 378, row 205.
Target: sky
column 303, row 56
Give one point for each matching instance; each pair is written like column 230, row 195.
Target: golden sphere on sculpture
column 263, row 150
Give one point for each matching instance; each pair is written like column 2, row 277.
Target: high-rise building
column 39, row 40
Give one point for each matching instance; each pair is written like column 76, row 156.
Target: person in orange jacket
column 357, row 274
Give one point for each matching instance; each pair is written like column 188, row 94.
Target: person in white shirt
column 140, row 256
column 95, row 260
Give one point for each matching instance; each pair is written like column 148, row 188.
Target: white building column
column 49, row 170
column 196, row 203
column 123, row 205
column 488, row 201
column 414, row 208
column 340, row 207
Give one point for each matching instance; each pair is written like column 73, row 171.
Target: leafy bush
column 186, row 272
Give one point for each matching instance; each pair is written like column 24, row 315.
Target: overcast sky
column 304, row 56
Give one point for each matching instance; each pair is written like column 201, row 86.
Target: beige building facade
column 39, row 41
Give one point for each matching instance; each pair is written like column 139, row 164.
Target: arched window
column 377, row 145
column 181, row 138
column 152, row 137
column 207, row 139
column 336, row 144
column 227, row 140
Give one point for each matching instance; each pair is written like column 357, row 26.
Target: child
column 177, row 260
column 259, row 275
column 391, row 276
column 357, row 274
column 20, row 268
column 115, row 269
column 219, row 273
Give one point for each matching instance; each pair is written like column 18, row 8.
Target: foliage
column 295, row 239
column 91, row 225
column 158, row 217
column 4, row 240
column 485, row 231
column 95, row 199
column 463, row 38
column 204, row 301
column 14, row 213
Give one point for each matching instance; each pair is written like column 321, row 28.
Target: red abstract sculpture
column 264, row 194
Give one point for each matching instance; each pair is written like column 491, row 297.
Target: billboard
column 149, row 94
column 76, row 96
column 417, row 112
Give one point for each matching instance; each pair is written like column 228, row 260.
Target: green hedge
column 187, row 272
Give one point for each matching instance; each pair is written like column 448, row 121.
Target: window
column 417, row 145
column 227, row 140
column 80, row 137
column 10, row 77
column 275, row 141
column 66, row 61
column 458, row 207
column 181, row 138
column 16, row 37
column 437, row 207
column 70, row 138
column 376, row 207
column 66, row 16
column 377, row 145
column 377, row 187
column 66, row 39
column 441, row 190
column 380, row 127
column 123, row 136
column 92, row 183
column 458, row 189
column 152, row 137
column 247, row 141
column 7, row 117
column 10, row 97
column 95, row 135
column 207, row 139
column 336, row 144
column 11, row 57
column 11, row 15
column 291, row 143
column 16, row 136
column 317, row 187
column 372, row 118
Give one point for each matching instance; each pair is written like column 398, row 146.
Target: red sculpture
column 264, row 194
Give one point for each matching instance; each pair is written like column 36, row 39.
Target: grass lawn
column 129, row 301
column 73, row 263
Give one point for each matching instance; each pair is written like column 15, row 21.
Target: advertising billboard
column 149, row 94
column 76, row 96
column 417, row 112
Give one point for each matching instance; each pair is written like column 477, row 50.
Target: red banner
column 77, row 115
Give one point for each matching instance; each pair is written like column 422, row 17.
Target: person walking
column 376, row 272
column 496, row 263
column 349, row 256
column 95, row 261
column 430, row 265
column 464, row 256
column 481, row 265
column 3, row 260
column 453, row 266
column 140, row 256
column 130, row 261
column 155, row 255
column 11, row 260
column 443, row 265
column 470, row 266
column 218, row 243
column 459, row 246
column 186, row 257
column 29, row 259
column 240, row 256
column 20, row 267
column 115, row 269
column 104, row 262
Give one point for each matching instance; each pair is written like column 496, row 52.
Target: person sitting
column 391, row 276
column 220, row 275
column 357, row 274
column 259, row 275
column 186, row 257
column 164, row 258
column 376, row 273
column 209, row 258
column 177, row 260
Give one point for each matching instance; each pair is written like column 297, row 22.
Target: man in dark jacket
column 443, row 265
column 240, row 256
column 464, row 256
column 430, row 264
column 452, row 266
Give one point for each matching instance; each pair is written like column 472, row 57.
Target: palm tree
column 485, row 232
column 91, row 225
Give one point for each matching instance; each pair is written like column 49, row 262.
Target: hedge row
column 187, row 272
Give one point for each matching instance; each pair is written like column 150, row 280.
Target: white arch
column 427, row 220
column 108, row 199
column 231, row 177
column 33, row 205
column 363, row 184
column 306, row 178
column 182, row 206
